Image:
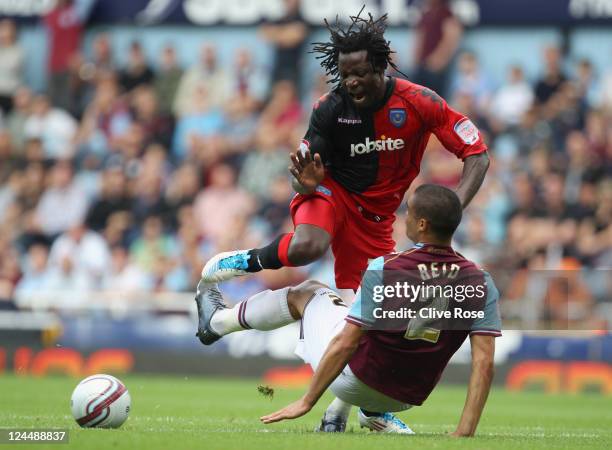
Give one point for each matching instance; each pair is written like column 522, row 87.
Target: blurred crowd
column 128, row 178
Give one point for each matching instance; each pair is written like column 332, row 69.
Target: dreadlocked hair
column 361, row 34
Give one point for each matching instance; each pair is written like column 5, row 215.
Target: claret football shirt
column 407, row 362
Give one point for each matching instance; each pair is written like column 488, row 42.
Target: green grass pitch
column 198, row 413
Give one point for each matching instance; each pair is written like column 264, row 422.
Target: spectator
column 16, row 119
column 53, row 126
column 10, row 189
column 288, row 36
column 192, row 249
column 275, row 206
column 438, row 36
column 66, row 278
column 149, row 198
column 596, row 128
column 62, row 194
column 182, row 189
column 82, row 251
column 167, row 78
column 35, row 272
column 204, row 120
column 239, row 126
column 8, row 160
column 553, row 76
column 124, row 276
column 11, row 64
column 263, row 166
column 282, row 113
column 105, row 120
column 10, row 272
column 205, row 77
column 65, row 23
column 157, row 126
column 225, row 199
column 118, row 229
column 587, row 83
column 137, row 71
column 152, row 244
column 249, row 82
column 34, row 185
column 102, row 54
column 606, row 92
column 113, row 198
column 475, row 245
column 512, row 100
column 471, row 80
column 579, row 164
column 170, row 275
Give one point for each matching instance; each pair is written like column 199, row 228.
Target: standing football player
column 381, row 365
column 361, row 152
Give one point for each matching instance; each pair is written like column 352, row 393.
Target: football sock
column 272, row 256
column 265, row 311
column 339, row 408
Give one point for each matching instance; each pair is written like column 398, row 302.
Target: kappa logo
column 397, row 117
column 349, row 121
column 379, row 145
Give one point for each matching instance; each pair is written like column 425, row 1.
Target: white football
column 100, row 401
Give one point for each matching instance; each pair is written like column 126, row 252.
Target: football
column 100, row 401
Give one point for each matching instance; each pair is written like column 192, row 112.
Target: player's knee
column 298, row 296
column 306, row 250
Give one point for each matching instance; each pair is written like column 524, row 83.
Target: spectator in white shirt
column 513, row 99
column 206, row 74
column 53, row 126
column 63, row 205
column 87, row 251
column 11, row 63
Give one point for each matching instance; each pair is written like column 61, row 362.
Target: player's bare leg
column 305, row 245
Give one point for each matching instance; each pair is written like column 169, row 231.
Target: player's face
column 364, row 85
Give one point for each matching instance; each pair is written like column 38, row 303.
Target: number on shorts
column 336, row 300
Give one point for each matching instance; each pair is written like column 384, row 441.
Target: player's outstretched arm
column 474, row 170
column 336, row 357
column 483, row 349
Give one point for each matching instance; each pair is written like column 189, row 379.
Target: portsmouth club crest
column 397, row 117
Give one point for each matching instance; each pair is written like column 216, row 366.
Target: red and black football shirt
column 375, row 154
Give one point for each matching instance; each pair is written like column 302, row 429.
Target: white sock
column 339, row 408
column 265, row 311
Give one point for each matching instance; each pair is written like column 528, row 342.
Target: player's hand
column 308, row 171
column 294, row 410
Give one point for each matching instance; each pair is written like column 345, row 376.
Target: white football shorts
column 323, row 319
